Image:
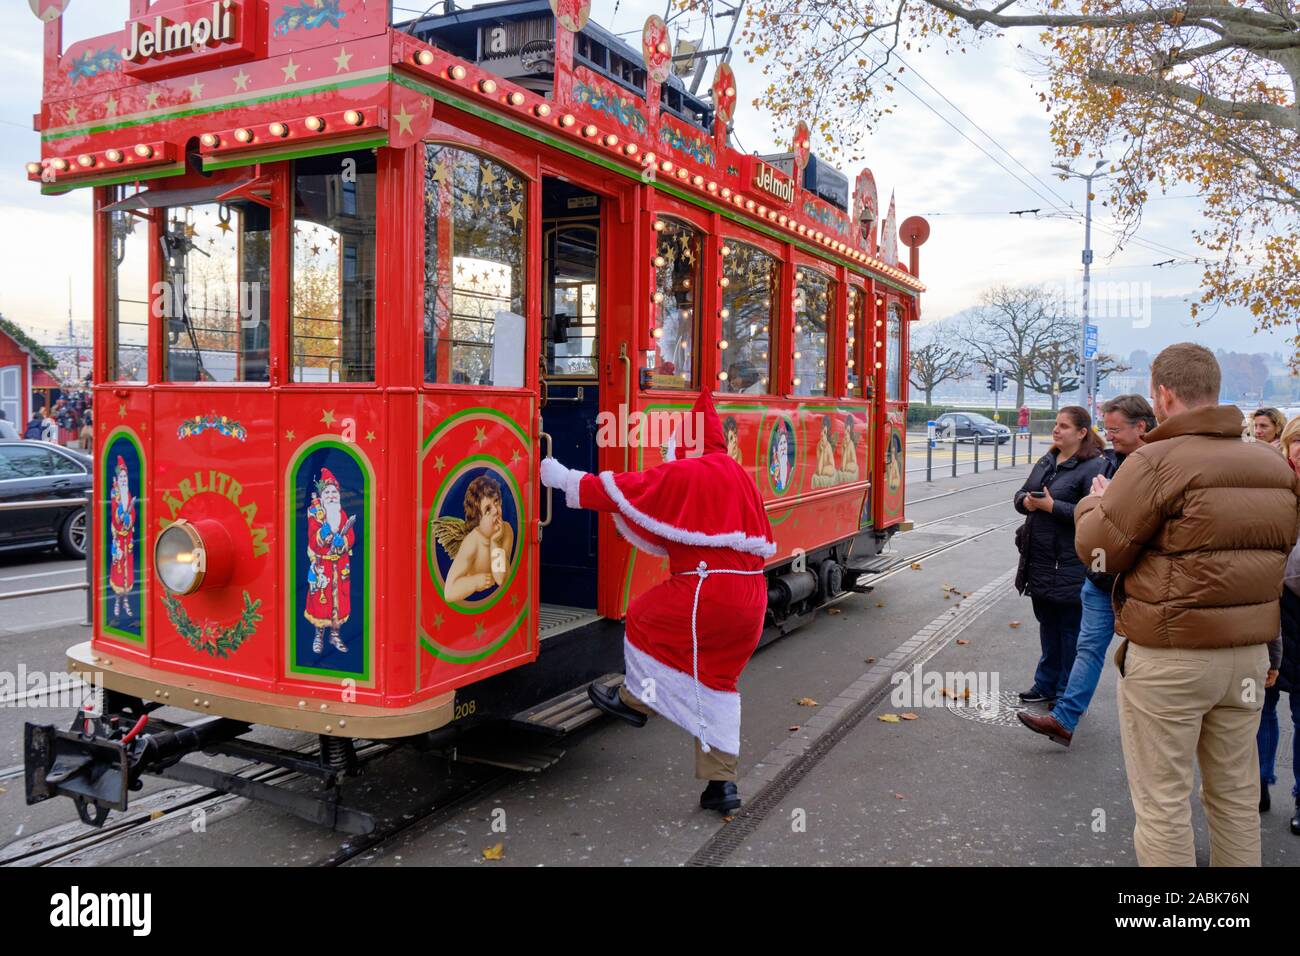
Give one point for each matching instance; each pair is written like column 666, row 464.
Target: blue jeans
column 1058, row 629
column 1269, row 734
column 1096, row 628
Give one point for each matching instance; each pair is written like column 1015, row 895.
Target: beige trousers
column 714, row 765
column 1176, row 706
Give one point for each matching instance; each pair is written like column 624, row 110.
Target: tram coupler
column 102, row 757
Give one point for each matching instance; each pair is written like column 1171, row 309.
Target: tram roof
column 289, row 78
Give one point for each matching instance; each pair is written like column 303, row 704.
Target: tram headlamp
column 180, row 558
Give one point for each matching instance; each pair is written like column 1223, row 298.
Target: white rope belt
column 702, row 572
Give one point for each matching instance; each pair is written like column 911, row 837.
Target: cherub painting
column 824, row 474
column 848, row 452
column 480, row 545
column 732, row 432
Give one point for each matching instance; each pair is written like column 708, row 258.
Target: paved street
column 956, row 785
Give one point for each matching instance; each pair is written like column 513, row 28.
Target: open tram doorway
column 570, row 394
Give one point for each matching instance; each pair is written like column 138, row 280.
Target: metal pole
column 954, row 451
column 1089, row 364
column 977, row 442
column 1014, row 436
column 997, row 442
column 929, row 450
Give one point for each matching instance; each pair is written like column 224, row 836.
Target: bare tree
column 937, row 357
column 1012, row 325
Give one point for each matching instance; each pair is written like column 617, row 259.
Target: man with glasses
column 1127, row 419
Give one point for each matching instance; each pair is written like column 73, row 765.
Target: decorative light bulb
column 630, row 149
column 722, row 344
column 144, row 151
column 85, row 160
column 724, row 282
column 659, row 297
column 424, row 57
column 567, row 120
column 456, row 72
column 515, row 98
column 279, row 129
column 315, row 124
column 114, row 155
column 210, row 140
column 726, row 192
column 542, row 109
column 659, row 333
column 33, row 169
column 589, row 131
column 60, row 164
column 660, row 225
column 722, row 376
column 354, row 117
column 659, row 262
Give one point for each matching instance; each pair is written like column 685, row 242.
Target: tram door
column 571, row 304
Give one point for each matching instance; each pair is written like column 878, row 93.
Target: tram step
column 874, row 565
column 566, row 713
column 511, row 754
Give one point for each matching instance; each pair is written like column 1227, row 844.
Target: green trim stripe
column 475, row 410
column 437, row 650
column 273, row 95
column 321, row 149
column 175, row 169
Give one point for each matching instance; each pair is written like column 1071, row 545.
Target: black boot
column 1264, row 802
column 720, row 795
column 607, row 699
column 1295, row 820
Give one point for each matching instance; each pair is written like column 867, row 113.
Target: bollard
column 978, row 441
column 997, row 443
column 929, row 449
column 954, row 452
column 1029, row 452
column 1014, row 436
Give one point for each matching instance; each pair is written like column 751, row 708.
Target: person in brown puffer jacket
column 1197, row 525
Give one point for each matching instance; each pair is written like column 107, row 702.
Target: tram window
column 573, row 254
column 814, row 296
column 215, row 297
column 334, row 268
column 677, row 280
column 853, row 332
column 474, row 212
column 128, row 298
column 748, row 313
column 894, row 354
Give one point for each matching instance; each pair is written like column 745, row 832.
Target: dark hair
column 1133, row 407
column 729, row 424
column 1188, row 370
column 1092, row 445
column 484, row 486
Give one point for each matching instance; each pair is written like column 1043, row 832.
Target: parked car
column 971, row 426
column 39, row 471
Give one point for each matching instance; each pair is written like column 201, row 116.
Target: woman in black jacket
column 1050, row 572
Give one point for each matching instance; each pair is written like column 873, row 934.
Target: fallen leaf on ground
column 916, row 565
column 908, row 716
column 888, row 718
column 806, row 702
column 880, row 604
column 947, row 597
column 494, row 852
column 1015, row 624
column 728, row 819
column 871, row 660
column 898, row 796
column 157, row 815
column 949, row 693
column 962, row 640
column 966, row 694
column 834, row 610
column 794, row 728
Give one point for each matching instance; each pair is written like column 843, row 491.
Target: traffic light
column 1002, row 382
column 997, row 381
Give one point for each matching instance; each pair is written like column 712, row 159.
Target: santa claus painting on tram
column 331, row 533
column 121, row 575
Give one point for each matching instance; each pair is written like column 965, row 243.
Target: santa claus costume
column 331, row 536
column 688, row 638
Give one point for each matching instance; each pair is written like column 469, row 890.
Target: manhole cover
column 998, row 709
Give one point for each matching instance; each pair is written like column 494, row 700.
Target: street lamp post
column 1089, row 365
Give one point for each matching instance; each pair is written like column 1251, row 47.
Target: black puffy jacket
column 1288, row 678
column 1049, row 568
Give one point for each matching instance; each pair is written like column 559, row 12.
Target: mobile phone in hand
column 1038, row 494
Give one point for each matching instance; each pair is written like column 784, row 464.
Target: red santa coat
column 329, row 597
column 704, row 514
column 121, row 570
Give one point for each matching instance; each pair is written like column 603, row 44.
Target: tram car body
column 354, row 280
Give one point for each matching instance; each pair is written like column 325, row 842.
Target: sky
column 45, row 242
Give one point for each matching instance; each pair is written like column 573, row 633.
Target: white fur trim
column 638, row 542
column 571, row 482
column 735, row 540
column 672, row 695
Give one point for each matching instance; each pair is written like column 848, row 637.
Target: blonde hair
column 1290, row 433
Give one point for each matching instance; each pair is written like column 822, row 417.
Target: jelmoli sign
column 767, row 179
column 198, row 35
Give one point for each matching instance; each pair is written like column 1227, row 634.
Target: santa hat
column 327, row 478
column 121, row 464
column 709, row 501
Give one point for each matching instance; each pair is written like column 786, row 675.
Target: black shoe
column 1295, row 820
column 720, row 795
column 1035, row 696
column 1264, row 802
column 607, row 699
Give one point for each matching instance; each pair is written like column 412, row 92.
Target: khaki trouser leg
column 715, row 765
column 1174, row 704
column 1230, row 762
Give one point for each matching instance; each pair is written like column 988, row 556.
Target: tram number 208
column 464, row 709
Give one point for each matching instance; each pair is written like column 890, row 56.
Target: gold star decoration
column 196, row 90
column 288, row 436
column 489, row 177
column 514, row 600
column 403, row 119
column 290, row 70
column 515, row 456
column 437, row 620
column 110, row 105
column 370, row 436
column 241, row 80
column 71, row 114
column 439, row 172
column 480, row 434
column 439, row 464
column 121, row 410
column 343, row 60
column 479, row 629
column 315, row 250
column 151, row 99
column 224, row 225
column 327, row 417
column 517, row 213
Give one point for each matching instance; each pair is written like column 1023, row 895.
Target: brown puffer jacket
column 1198, row 524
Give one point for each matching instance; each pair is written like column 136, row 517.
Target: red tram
column 354, row 279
